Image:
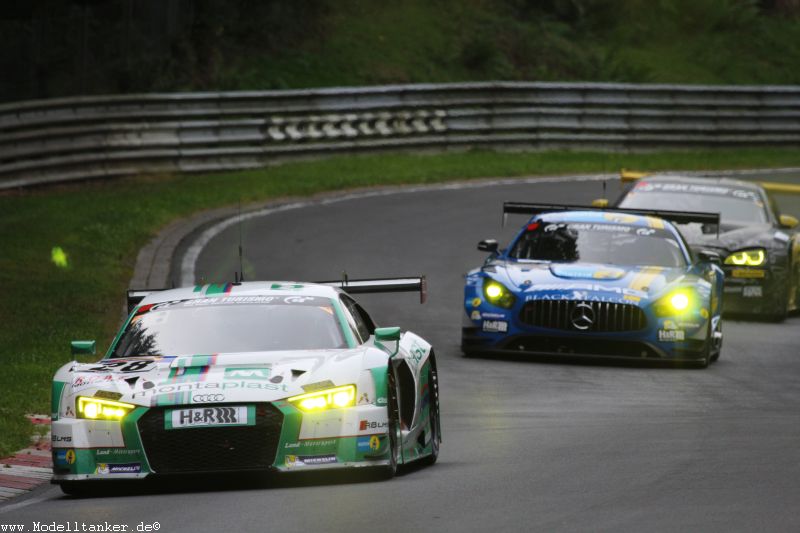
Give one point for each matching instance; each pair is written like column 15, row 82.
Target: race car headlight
column 675, row 303
column 99, row 409
column 497, row 294
column 755, row 257
column 325, row 399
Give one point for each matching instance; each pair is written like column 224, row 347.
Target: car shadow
column 579, row 360
column 197, row 483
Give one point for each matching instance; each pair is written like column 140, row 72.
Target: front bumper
column 584, row 346
column 755, row 291
column 282, row 439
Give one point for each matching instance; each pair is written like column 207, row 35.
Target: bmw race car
column 259, row 376
column 591, row 282
column 759, row 247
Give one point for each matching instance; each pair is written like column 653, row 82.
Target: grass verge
column 101, row 227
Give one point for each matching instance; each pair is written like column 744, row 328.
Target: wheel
column 433, row 416
column 393, row 407
column 703, row 363
column 716, row 353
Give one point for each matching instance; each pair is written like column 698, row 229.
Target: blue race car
column 581, row 281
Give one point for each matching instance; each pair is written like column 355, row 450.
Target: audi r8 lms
column 760, row 248
column 260, row 376
column 590, row 282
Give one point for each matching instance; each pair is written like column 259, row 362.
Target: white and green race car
column 258, row 376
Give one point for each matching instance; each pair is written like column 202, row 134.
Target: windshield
column 232, row 324
column 735, row 206
column 612, row 244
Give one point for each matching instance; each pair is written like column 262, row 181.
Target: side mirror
column 600, row 202
column 387, row 335
column 83, row 347
column 488, row 245
column 788, row 221
column 709, row 256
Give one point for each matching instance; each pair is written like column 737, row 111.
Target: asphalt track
column 529, row 444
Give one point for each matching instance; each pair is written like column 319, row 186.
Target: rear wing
column 627, row 176
column 679, row 217
column 780, row 188
column 381, row 285
column 137, row 295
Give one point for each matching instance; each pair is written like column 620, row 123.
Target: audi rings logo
column 582, row 316
column 208, row 398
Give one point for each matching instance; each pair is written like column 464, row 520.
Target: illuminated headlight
column 325, row 399
column 747, row 258
column 99, row 409
column 497, row 294
column 675, row 303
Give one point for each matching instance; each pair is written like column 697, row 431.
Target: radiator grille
column 211, row 449
column 583, row 315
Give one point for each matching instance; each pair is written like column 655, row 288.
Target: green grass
column 101, row 226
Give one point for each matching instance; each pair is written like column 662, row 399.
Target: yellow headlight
column 746, row 258
column 679, row 301
column 493, row 290
column 335, row 398
column 100, row 409
column 497, row 294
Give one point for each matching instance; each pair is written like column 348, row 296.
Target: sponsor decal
column 476, row 315
column 567, row 291
column 368, row 444
column 494, row 316
column 476, row 302
column 781, row 236
column 69, row 412
column 209, row 387
column 671, row 335
column 303, row 460
column 121, row 468
column 731, row 290
column 115, row 451
column 247, row 373
column 669, row 324
column 416, row 352
column 371, row 424
column 60, row 438
column 239, row 415
column 381, row 400
column 748, row 273
column 208, row 398
column 108, row 395
column 363, row 399
column 124, row 366
column 752, row 291
column 495, row 326
column 319, row 385
column 298, row 299
column 694, row 188
column 65, row 457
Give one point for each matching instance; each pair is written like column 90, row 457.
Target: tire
column 393, row 408
column 704, row 362
column 433, row 417
column 715, row 355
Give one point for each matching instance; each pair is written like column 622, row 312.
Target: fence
column 92, row 137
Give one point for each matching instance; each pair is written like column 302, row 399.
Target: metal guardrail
column 86, row 137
